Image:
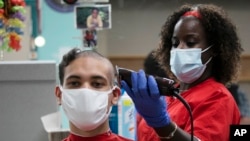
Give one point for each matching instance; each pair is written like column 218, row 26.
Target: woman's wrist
column 167, row 132
column 171, row 135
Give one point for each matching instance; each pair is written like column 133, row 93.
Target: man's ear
column 116, row 95
column 58, row 94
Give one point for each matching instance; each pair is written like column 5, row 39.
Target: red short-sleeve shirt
column 102, row 137
column 213, row 108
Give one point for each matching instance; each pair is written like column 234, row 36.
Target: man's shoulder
column 66, row 139
column 120, row 138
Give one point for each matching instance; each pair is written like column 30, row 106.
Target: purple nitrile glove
column 147, row 99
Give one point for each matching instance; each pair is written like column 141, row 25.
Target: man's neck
column 103, row 128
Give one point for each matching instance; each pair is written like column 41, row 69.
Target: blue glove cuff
column 159, row 121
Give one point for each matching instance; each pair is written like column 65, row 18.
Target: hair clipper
column 165, row 85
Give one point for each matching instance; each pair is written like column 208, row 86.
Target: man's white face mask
column 86, row 108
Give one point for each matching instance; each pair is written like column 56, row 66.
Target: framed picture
column 96, row 16
column 90, row 38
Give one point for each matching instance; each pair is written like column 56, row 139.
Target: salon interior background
column 135, row 31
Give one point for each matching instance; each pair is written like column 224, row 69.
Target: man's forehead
column 88, row 66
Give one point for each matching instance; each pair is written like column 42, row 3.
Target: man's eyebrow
column 73, row 76
column 97, row 77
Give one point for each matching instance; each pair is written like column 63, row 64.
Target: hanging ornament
column 11, row 24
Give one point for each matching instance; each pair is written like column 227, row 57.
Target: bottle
column 113, row 119
column 126, row 117
column 63, row 119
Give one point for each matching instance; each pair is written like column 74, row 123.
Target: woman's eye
column 190, row 44
column 174, row 45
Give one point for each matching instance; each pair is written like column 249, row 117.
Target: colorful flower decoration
column 2, row 26
column 11, row 24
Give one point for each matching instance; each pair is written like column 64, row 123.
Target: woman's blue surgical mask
column 186, row 64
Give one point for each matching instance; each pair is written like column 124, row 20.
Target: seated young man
column 87, row 92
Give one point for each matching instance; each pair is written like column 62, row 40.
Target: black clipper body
column 165, row 85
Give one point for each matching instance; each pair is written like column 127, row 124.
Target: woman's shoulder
column 209, row 90
column 211, row 86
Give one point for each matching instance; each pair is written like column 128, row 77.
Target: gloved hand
column 147, row 99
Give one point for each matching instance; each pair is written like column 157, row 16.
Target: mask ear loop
column 61, row 87
column 113, row 88
column 210, row 57
column 208, row 60
column 206, row 49
column 111, row 106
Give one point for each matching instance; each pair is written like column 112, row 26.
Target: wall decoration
column 60, row 6
column 11, row 24
column 90, row 38
column 96, row 16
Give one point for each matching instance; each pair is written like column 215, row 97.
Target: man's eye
column 73, row 84
column 97, row 84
